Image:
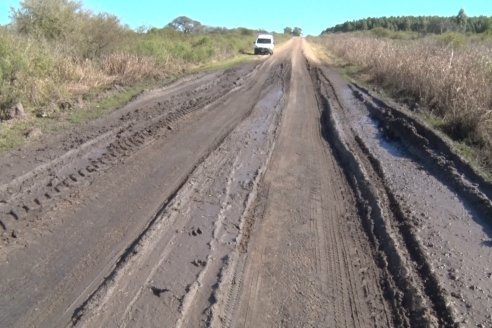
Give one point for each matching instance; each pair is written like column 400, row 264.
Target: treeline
column 296, row 31
column 419, row 24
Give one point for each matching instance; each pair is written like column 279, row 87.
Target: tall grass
column 55, row 51
column 450, row 76
column 55, row 55
column 49, row 63
column 41, row 73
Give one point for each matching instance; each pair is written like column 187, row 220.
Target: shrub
column 47, row 19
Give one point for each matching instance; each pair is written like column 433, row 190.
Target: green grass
column 471, row 155
column 223, row 64
column 13, row 134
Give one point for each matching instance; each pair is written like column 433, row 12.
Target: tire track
column 26, row 197
column 218, row 230
column 295, row 271
column 377, row 206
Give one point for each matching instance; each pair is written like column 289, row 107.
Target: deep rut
column 412, row 288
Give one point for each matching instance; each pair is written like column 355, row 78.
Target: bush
column 453, row 39
column 25, row 67
column 47, row 19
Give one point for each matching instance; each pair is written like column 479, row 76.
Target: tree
column 297, row 31
column 288, row 30
column 462, row 19
column 406, row 24
column 81, row 33
column 348, row 27
column 185, row 25
column 50, row 19
column 99, row 34
column 364, row 26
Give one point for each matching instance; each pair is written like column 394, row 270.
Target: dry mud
column 274, row 193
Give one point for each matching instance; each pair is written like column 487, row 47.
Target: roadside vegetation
column 446, row 77
column 60, row 62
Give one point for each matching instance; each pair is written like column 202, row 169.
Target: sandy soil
column 272, row 194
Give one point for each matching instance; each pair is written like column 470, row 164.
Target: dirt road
column 271, row 194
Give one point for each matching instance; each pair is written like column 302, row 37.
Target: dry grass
column 49, row 76
column 129, row 68
column 67, row 60
column 451, row 80
column 42, row 74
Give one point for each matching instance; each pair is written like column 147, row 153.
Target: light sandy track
column 267, row 195
column 307, row 264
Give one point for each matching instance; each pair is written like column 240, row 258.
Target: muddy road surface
column 271, row 194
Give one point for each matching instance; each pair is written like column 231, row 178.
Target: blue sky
column 312, row 16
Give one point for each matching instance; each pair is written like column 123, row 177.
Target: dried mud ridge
column 24, row 198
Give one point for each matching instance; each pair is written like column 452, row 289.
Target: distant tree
column 245, row 31
column 481, row 24
column 462, row 19
column 364, row 25
column 142, row 29
column 406, row 25
column 185, row 25
column 288, row 30
column 297, row 31
column 348, row 27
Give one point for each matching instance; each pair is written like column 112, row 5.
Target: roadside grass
column 47, row 75
column 446, row 78
column 14, row 133
column 223, row 64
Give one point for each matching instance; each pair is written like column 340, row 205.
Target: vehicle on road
column 264, row 44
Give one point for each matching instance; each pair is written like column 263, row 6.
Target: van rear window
column 264, row 41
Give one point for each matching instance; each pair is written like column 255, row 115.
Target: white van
column 264, row 44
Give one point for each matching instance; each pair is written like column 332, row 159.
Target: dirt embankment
column 273, row 193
